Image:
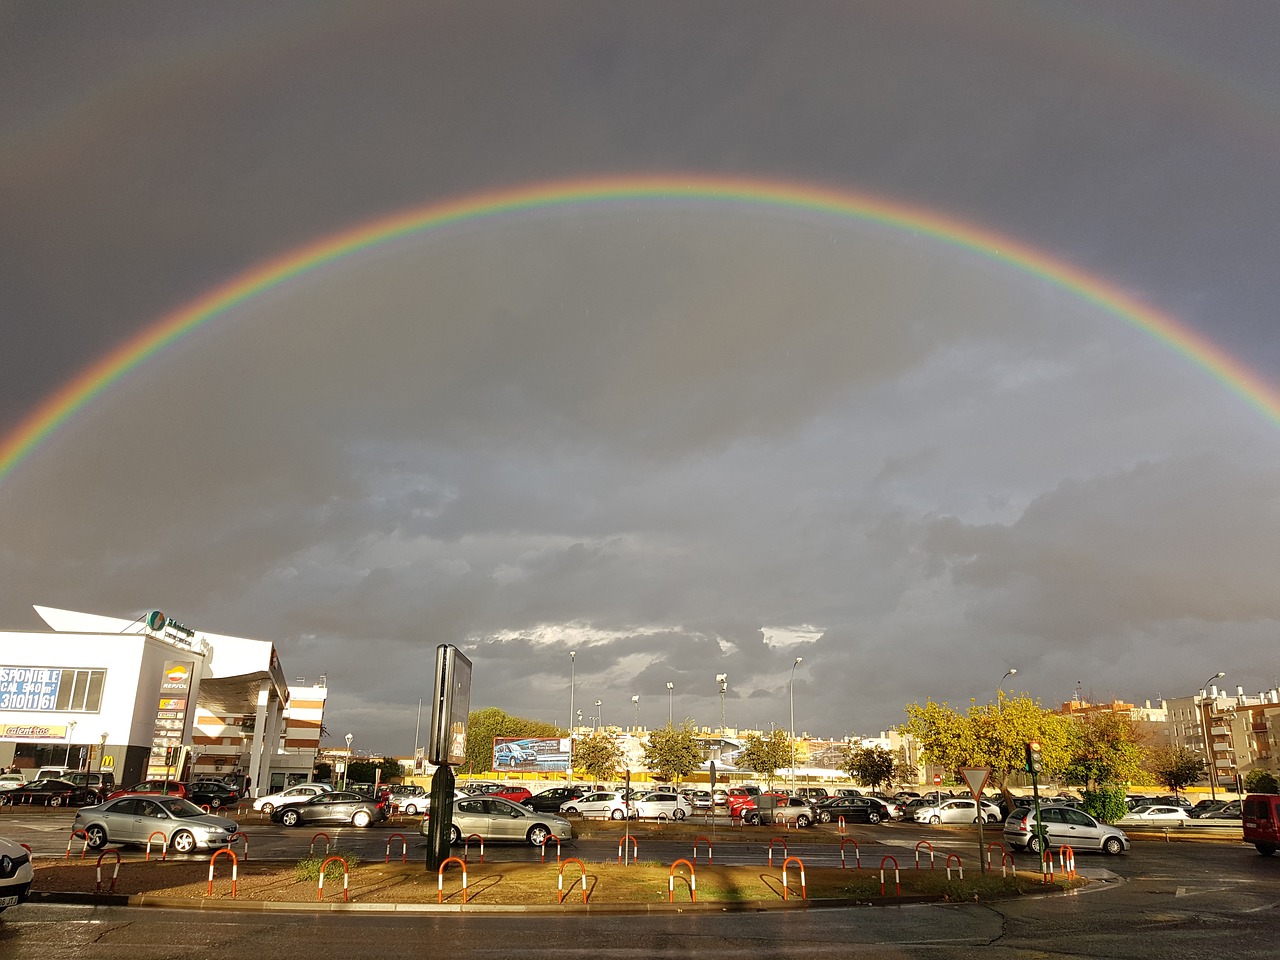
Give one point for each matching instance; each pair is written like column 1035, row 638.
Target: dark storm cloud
column 681, row 443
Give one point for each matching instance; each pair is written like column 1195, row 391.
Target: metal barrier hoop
column 840, row 825
column 959, row 864
column 97, row 887
column 84, row 850
column 346, row 874
column 995, row 843
column 628, row 840
column 234, row 869
column 771, row 843
column 1046, row 866
column 164, row 844
column 1067, row 859
column 705, row 840
column 857, row 852
column 440, row 878
column 897, row 880
column 804, row 893
column 316, row 837
column 545, row 840
column 924, row 843
column 671, row 882
column 466, row 846
column 1006, row 860
column 560, row 881
column 241, row 834
column 404, row 848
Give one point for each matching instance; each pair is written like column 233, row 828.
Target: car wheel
column 935, row 820
column 1113, row 846
column 96, row 836
column 615, row 814
column 753, row 819
column 803, row 820
column 291, row 818
column 824, row 816
column 872, row 817
column 411, row 809
column 571, row 811
column 55, row 801
column 678, row 814
column 1033, row 844
column 1266, row 849
column 268, row 808
column 214, row 803
column 538, row 835
column 992, row 818
column 360, row 818
column 184, row 841
column 455, row 835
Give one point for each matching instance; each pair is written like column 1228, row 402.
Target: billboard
column 447, row 735
column 531, row 754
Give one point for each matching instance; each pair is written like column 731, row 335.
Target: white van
column 52, row 773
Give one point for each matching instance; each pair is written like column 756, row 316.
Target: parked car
column 698, row 799
column 12, row 781
column 213, row 794
column 135, row 818
column 168, row 788
column 16, row 873
column 603, row 803
column 103, row 783
column 52, row 773
column 493, row 818
column 300, row 793
column 812, row 794
column 1159, row 813
column 507, row 791
column 659, row 803
column 853, row 809
column 553, row 798
column 336, row 806
column 957, row 810
column 1262, row 822
column 1063, row 825
column 848, row 792
column 720, row 797
column 773, row 808
column 892, row 809
column 1206, row 806
column 49, row 793
column 1230, row 811
column 408, row 798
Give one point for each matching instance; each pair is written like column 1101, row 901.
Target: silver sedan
column 493, row 818
column 137, row 819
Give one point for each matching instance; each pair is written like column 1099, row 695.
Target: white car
column 1159, row 814
column 16, row 873
column 604, row 803
column 12, row 781
column 286, row 798
column 957, row 810
column 659, row 804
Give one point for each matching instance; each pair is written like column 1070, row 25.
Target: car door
column 469, row 816
column 1055, row 825
column 124, row 821
column 1079, row 830
column 503, row 818
column 958, row 811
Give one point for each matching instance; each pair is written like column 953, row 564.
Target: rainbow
column 761, row 193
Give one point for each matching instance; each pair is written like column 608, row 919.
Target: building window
column 81, row 691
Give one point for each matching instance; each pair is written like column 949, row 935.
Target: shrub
column 309, row 869
column 1106, row 803
column 1260, row 781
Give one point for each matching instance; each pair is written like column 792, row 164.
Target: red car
column 172, row 788
column 512, row 792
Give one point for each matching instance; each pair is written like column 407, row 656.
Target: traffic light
column 1035, row 762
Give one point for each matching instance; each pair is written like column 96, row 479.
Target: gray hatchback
column 1063, row 826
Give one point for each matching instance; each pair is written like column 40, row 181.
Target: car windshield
column 178, row 807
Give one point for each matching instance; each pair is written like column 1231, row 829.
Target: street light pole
column 346, row 773
column 671, row 704
column 1011, row 672
column 71, row 729
column 723, row 680
column 599, row 716
column 799, row 660
column 573, row 654
column 1208, row 743
column 635, row 719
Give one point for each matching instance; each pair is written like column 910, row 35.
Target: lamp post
column 102, row 750
column 1208, row 743
column 671, row 704
column 1011, row 672
column 799, row 660
column 635, row 718
column 723, row 680
column 346, row 773
column 573, row 677
column 599, row 717
column 71, row 729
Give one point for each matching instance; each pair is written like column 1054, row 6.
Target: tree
column 597, row 756
column 989, row 735
column 870, row 766
column 382, row 769
column 763, row 755
column 485, row 726
column 1260, row 781
column 904, row 771
column 1176, row 767
column 1105, row 749
column 672, row 752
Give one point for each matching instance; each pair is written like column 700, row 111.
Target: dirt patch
column 531, row 884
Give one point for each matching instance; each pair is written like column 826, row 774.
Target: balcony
column 1220, row 731
column 1222, row 764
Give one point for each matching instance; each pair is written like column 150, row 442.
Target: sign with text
column 531, row 754
column 32, row 731
column 171, row 715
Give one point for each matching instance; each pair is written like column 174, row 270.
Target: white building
column 151, row 698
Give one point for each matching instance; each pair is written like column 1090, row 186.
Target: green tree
column 1105, row 748
column 1106, row 802
column 597, row 756
column 367, row 771
column 485, row 726
column 1260, row 781
column 1176, row 767
column 989, row 735
column 672, row 752
column 870, row 766
column 764, row 755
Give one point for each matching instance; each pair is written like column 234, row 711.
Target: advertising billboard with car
column 531, row 754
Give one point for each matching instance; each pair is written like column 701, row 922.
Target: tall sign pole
column 976, row 778
column 447, row 745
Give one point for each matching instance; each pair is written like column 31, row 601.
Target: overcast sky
column 681, row 439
